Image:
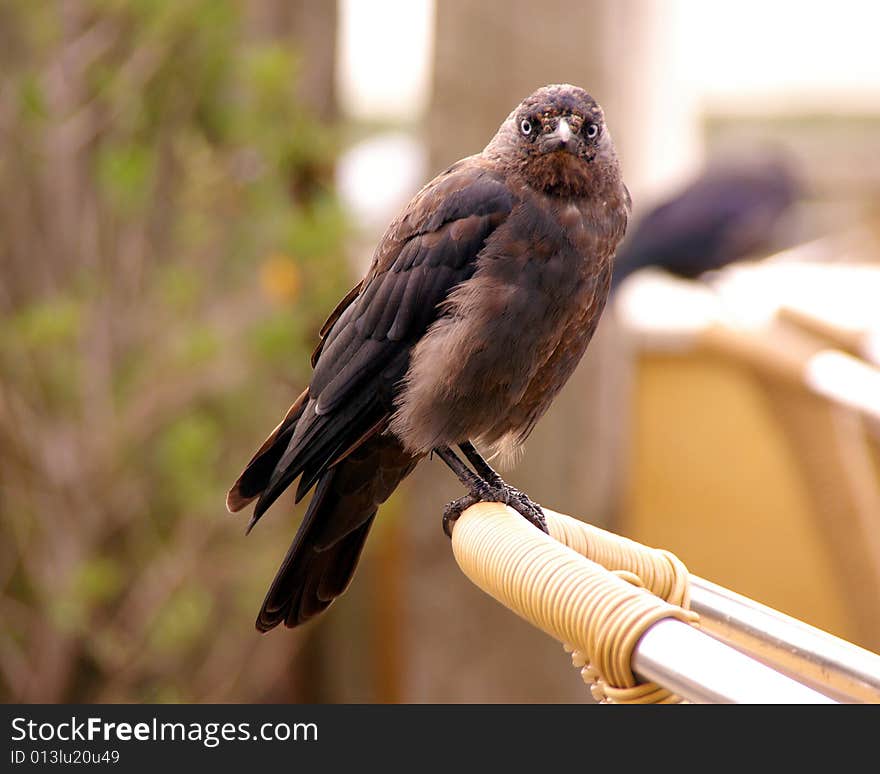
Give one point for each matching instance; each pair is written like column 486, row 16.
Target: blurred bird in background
column 480, row 301
column 730, row 212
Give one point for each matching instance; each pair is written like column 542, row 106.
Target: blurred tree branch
column 151, row 164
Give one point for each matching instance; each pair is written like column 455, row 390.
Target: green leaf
column 31, row 99
column 98, row 580
column 125, row 174
column 182, row 620
column 276, row 338
column 52, row 322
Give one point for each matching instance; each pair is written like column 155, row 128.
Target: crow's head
column 558, row 139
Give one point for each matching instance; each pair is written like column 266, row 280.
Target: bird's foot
column 500, row 492
column 523, row 505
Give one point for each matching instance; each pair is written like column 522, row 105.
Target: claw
column 527, row 508
column 454, row 509
column 486, row 493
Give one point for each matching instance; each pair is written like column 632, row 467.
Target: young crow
column 480, row 300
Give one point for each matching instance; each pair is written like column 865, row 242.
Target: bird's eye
column 525, row 126
column 591, row 130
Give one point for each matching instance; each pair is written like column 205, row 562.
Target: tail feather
column 313, row 445
column 308, row 584
column 355, row 468
column 325, row 551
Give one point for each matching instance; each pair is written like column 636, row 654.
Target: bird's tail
column 322, row 558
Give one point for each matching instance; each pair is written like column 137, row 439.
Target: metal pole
column 828, row 663
column 703, row 670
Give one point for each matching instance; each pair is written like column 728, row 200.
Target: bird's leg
column 518, row 500
column 483, row 468
column 493, row 490
column 467, row 477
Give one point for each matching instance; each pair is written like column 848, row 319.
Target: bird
column 480, row 300
column 732, row 210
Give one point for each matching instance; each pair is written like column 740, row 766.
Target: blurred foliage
column 169, row 243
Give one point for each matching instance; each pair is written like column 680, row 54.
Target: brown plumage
column 480, row 301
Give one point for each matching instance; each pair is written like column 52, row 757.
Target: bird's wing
column 428, row 250
column 333, row 317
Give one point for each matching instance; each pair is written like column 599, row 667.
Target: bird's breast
column 511, row 334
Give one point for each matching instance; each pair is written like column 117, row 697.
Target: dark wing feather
column 252, row 481
column 333, row 317
column 365, row 348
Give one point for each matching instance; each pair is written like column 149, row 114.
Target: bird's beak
column 560, row 138
column 563, row 130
